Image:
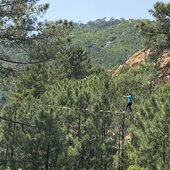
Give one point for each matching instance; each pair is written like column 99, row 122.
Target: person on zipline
column 129, row 104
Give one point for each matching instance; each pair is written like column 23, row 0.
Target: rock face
column 164, row 60
column 138, row 57
column 135, row 59
column 162, row 64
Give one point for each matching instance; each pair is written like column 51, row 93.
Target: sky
column 90, row 10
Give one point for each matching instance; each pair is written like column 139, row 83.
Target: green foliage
column 152, row 131
column 10, row 169
column 18, row 26
column 19, row 18
column 56, row 122
column 51, row 42
column 110, row 42
column 69, row 114
column 157, row 32
column 67, row 119
column 24, row 40
column 135, row 168
column 76, row 63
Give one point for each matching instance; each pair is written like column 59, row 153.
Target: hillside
column 161, row 63
column 109, row 43
column 60, row 111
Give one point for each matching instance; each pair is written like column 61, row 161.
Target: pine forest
column 64, row 88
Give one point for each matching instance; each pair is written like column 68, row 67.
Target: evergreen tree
column 152, row 132
column 19, row 18
column 157, row 32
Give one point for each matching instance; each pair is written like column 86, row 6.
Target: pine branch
column 17, row 122
column 24, row 63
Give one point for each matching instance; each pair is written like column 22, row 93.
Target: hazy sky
column 86, row 10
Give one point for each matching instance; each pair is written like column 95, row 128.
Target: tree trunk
column 11, row 159
column 121, row 143
column 48, row 150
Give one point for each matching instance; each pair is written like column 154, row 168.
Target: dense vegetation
column 62, row 110
column 111, row 42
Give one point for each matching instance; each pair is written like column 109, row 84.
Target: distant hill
column 111, row 42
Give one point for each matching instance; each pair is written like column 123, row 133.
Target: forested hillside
column 110, row 42
column 61, row 107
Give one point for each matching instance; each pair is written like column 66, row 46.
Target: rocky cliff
column 162, row 64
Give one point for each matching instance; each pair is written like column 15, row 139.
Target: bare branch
column 17, row 122
column 24, row 63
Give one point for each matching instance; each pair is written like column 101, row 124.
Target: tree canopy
column 62, row 109
column 157, row 32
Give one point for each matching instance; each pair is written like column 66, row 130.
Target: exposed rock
column 162, row 64
column 138, row 57
column 135, row 59
column 164, row 60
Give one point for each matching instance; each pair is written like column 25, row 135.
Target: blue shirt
column 130, row 98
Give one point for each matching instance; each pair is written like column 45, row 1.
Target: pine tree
column 152, row 132
column 157, row 32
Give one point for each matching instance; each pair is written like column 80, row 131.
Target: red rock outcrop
column 162, row 64
column 135, row 59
